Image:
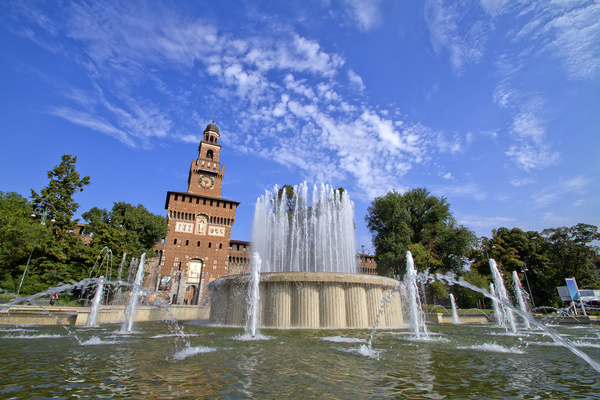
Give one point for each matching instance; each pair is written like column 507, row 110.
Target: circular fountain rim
column 323, row 277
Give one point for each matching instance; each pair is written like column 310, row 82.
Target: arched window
column 209, row 154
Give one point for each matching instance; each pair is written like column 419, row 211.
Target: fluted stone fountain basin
column 311, row 300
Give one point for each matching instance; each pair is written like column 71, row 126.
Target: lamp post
column 43, row 212
column 524, row 271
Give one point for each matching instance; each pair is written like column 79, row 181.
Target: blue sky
column 494, row 105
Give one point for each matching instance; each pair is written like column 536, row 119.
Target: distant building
column 198, row 247
column 366, row 264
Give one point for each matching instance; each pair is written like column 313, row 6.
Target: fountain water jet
column 93, row 318
column 253, row 296
column 134, row 297
column 557, row 338
column 506, row 316
column 455, row 319
column 417, row 320
column 292, row 236
column 498, row 313
column 520, row 297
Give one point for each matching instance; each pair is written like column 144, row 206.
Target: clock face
column 206, row 182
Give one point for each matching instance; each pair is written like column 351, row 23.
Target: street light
column 44, row 212
column 524, row 271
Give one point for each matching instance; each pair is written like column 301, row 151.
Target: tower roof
column 212, row 127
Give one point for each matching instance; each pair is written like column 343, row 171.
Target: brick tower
column 196, row 248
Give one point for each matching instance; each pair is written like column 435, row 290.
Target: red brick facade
column 195, row 250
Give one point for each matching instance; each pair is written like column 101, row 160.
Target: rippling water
column 462, row 361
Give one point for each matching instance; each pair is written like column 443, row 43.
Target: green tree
column 65, row 181
column 570, row 252
column 125, row 229
column 547, row 258
column 467, row 298
column 423, row 257
column 416, row 217
column 18, row 235
column 437, row 291
column 61, row 255
column 515, row 250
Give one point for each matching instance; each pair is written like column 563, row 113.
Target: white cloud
column 365, row 12
column 450, row 31
column 577, row 185
column 569, row 31
column 494, row 7
column 448, row 146
column 356, row 81
column 93, row 122
column 521, row 182
column 576, row 40
column 471, row 190
column 483, row 226
column 531, row 150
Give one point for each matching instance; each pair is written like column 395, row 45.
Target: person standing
column 53, row 298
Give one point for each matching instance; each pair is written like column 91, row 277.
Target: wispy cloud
column 366, row 13
column 531, row 150
column 576, row 185
column 568, row 31
column 484, row 225
column 454, row 33
column 91, row 121
column 470, row 190
column 356, row 81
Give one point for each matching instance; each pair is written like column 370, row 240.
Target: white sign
column 184, row 227
column 216, row 231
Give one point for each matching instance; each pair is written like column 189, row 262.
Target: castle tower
column 206, row 172
column 195, row 250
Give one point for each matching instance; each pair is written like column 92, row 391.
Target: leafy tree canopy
column 18, row 233
column 398, row 221
column 65, row 181
column 542, row 260
column 125, row 229
column 37, row 236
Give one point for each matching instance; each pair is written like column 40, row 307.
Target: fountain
column 44, row 362
column 455, row 319
column 308, row 275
